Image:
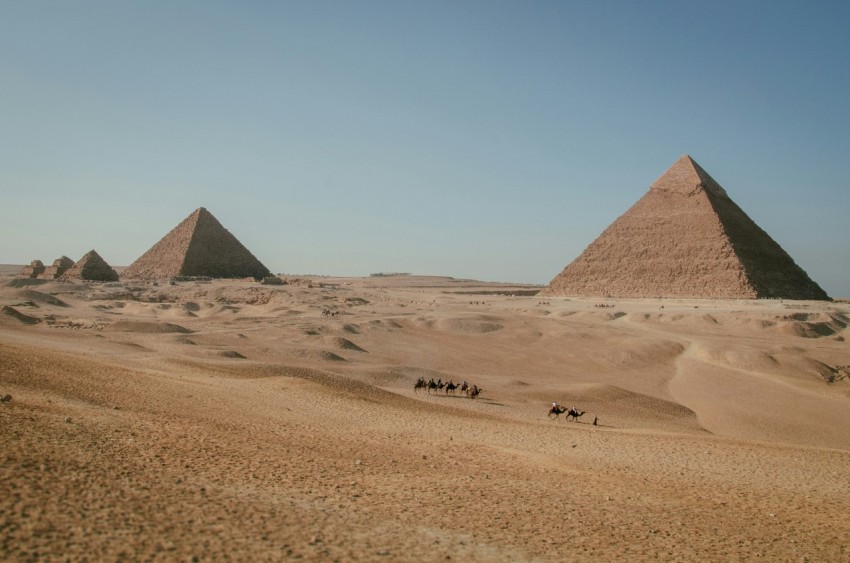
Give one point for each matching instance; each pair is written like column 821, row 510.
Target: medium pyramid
column 91, row 267
column 199, row 246
column 685, row 238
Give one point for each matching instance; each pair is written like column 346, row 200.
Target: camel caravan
column 472, row 391
column 450, row 387
column 556, row 410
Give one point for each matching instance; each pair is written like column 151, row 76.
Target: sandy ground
column 230, row 420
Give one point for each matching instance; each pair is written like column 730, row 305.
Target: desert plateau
column 231, row 420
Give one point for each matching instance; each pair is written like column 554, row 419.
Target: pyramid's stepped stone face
column 771, row 272
column 668, row 244
column 91, row 267
column 199, row 246
column 165, row 258
column 215, row 252
column 685, row 238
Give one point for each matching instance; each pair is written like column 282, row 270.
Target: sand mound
column 466, row 325
column 809, row 329
column 757, row 324
column 148, row 327
column 176, row 313
column 591, row 316
column 643, row 351
column 390, row 325
column 412, row 373
column 793, row 364
column 341, row 385
column 345, row 344
column 40, row 297
column 15, row 316
column 318, row 356
column 330, row 357
column 26, row 282
column 698, row 321
column 616, row 406
column 231, row 354
column 225, row 310
column 801, row 324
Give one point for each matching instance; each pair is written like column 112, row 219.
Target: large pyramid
column 91, row 267
column 685, row 238
column 199, row 246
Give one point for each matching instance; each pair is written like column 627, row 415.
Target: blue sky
column 489, row 140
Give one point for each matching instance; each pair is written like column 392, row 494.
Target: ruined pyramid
column 91, row 267
column 55, row 271
column 199, row 246
column 685, row 238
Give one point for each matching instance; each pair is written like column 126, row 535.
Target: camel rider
column 555, row 406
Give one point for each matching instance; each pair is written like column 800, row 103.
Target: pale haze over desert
column 396, row 281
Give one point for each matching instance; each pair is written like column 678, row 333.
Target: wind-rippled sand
column 230, row 420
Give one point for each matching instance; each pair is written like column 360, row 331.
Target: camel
column 435, row 385
column 555, row 412
column 420, row 384
column 575, row 413
column 473, row 392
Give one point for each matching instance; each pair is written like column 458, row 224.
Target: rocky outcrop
column 685, row 238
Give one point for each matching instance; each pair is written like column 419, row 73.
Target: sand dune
column 41, row 298
column 231, row 420
column 146, row 326
column 11, row 315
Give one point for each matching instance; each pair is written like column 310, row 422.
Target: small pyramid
column 198, row 246
column 59, row 267
column 32, row 271
column 685, row 238
column 91, row 267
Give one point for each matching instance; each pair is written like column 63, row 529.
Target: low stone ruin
column 272, row 280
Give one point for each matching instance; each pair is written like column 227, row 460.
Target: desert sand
column 210, row 420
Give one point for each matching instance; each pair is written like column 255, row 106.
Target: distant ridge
column 685, row 238
column 198, row 246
